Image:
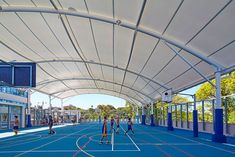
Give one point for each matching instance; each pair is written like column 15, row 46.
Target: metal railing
column 182, row 115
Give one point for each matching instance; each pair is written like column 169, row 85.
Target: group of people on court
column 16, row 125
column 113, row 123
column 113, row 129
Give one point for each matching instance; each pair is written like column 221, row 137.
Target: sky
column 191, row 91
column 87, row 100
column 83, row 101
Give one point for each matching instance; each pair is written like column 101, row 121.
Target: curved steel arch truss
column 62, row 91
column 107, row 65
column 122, row 97
column 118, row 22
column 99, row 80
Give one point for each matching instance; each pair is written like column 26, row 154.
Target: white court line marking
column 204, row 139
column 28, row 131
column 227, row 144
column 79, row 148
column 131, row 139
column 38, row 139
column 161, row 144
column 28, row 151
column 22, row 142
column 116, row 150
column 112, row 141
column 221, row 149
column 13, row 139
column 64, row 151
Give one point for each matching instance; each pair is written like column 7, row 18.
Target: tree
column 175, row 100
column 129, row 109
column 70, row 107
column 179, row 99
column 107, row 110
column 207, row 91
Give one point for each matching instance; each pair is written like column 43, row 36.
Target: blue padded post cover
column 152, row 120
column 143, row 119
column 195, row 123
column 218, row 136
column 169, row 122
column 29, row 121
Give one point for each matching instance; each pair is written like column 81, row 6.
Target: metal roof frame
column 100, row 89
column 103, row 64
column 113, row 21
column 150, row 30
column 90, row 79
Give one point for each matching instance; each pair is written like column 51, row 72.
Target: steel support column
column 143, row 116
column 218, row 135
column 29, row 124
column 62, row 111
column 181, row 114
column 152, row 115
column 203, row 117
column 226, row 115
column 195, row 117
column 137, row 115
column 187, row 119
column 50, row 107
column 169, row 119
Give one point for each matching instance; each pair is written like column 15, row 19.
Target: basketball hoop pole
column 143, row 116
column 137, row 115
column 169, row 119
column 98, row 111
column 152, row 115
column 29, row 105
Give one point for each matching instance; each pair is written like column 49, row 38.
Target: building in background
column 13, row 102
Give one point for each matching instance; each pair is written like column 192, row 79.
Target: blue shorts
column 15, row 127
column 129, row 127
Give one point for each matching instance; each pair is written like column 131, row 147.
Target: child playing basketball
column 104, row 131
column 129, row 124
column 118, row 125
column 50, row 124
column 112, row 124
column 16, row 125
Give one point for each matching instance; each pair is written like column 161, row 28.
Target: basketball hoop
column 167, row 96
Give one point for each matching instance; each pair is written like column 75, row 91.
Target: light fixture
column 71, row 8
column 118, row 22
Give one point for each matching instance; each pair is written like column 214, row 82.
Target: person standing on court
column 104, row 131
column 50, row 124
column 112, row 124
column 129, row 126
column 16, row 125
column 118, row 124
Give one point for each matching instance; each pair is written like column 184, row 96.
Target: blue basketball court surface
column 83, row 140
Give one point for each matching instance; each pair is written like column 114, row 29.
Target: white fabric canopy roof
column 119, row 47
